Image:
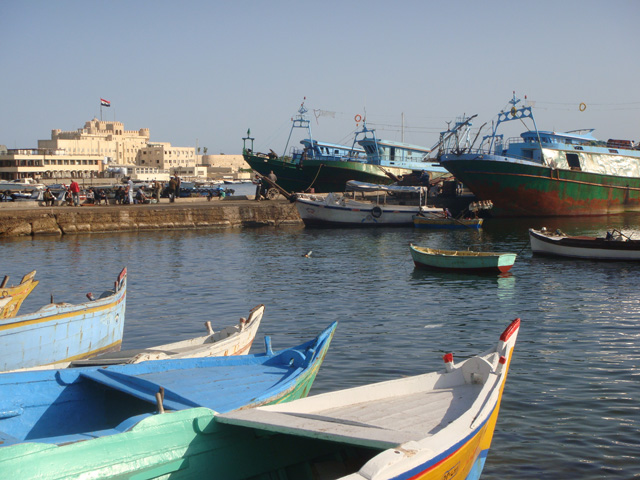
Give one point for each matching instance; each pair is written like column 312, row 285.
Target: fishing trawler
column 546, row 173
column 324, row 167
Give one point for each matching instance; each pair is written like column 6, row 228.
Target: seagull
column 308, row 254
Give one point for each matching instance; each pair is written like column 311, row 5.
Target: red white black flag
column 105, row 103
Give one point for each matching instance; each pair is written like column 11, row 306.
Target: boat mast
column 244, row 141
column 444, row 143
column 301, row 120
column 377, row 160
column 516, row 114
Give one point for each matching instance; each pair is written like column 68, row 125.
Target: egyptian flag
column 105, row 103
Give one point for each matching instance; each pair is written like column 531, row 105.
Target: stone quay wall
column 19, row 221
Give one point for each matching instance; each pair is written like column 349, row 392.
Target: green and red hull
column 321, row 175
column 519, row 188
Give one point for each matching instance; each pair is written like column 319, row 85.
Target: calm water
column 570, row 408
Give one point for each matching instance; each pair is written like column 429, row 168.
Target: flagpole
column 100, row 109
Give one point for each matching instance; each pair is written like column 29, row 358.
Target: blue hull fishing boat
column 73, row 404
column 62, row 332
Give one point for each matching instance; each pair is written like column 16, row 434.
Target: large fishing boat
column 326, row 167
column 546, row 173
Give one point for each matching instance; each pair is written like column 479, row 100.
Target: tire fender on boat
column 376, row 212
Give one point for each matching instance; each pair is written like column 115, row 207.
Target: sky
column 201, row 73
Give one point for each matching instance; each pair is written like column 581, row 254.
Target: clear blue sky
column 205, row 71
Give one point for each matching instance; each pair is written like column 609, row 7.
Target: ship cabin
column 396, row 154
column 529, row 144
column 330, row 152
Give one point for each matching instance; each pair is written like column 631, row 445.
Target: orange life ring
column 583, row 107
column 358, row 118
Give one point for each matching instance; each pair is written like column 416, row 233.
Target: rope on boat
column 388, row 174
column 316, row 177
column 525, row 246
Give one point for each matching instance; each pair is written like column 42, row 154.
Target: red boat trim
column 510, row 330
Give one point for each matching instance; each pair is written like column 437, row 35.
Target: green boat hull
column 523, row 189
column 320, row 175
column 188, row 444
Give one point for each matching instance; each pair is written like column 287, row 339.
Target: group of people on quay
column 124, row 194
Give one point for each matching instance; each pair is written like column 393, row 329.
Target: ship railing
column 511, row 141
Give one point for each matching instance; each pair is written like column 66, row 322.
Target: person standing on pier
column 171, row 189
column 178, row 183
column 130, row 190
column 157, row 190
column 74, row 188
column 258, row 182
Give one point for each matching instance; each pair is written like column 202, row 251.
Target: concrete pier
column 29, row 219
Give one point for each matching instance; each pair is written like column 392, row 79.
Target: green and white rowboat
column 461, row 260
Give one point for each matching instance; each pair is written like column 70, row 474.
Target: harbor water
column 571, row 402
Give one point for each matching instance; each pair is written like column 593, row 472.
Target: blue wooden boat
column 62, row 332
column 73, row 404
